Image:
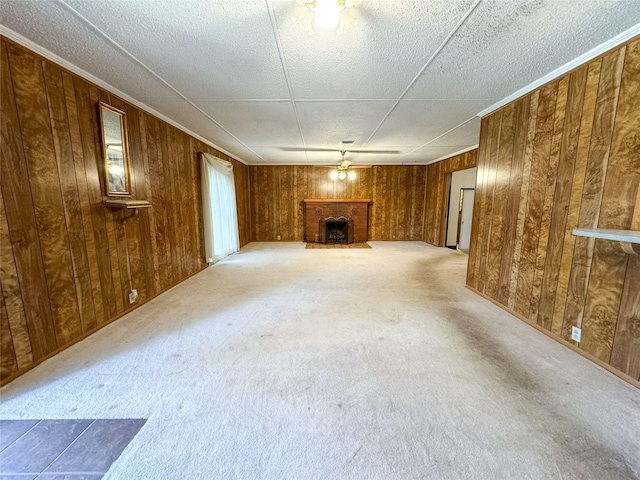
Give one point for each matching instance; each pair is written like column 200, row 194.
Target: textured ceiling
column 411, row 76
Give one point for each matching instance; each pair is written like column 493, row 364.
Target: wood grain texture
column 473, row 266
column 33, row 114
column 524, row 198
column 609, row 265
column 549, row 192
column 574, row 161
column 584, row 143
column 30, row 282
column 625, row 355
column 543, row 311
column 489, row 193
column 521, row 119
column 437, row 194
column 68, row 262
column 535, row 202
column 277, row 195
column 500, row 193
column 593, row 189
column 17, row 329
column 8, row 362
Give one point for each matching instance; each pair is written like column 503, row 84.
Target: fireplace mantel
column 317, row 209
column 337, row 200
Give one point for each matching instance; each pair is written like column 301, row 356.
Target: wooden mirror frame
column 112, row 177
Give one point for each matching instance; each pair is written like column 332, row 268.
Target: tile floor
column 63, row 449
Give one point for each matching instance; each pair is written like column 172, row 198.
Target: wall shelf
column 630, row 236
column 126, row 203
column 629, row 239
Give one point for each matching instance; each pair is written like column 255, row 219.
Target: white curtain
column 218, row 208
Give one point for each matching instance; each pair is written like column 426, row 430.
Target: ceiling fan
column 345, row 164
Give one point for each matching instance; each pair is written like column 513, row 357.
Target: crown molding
column 566, row 68
column 43, row 52
column 449, row 155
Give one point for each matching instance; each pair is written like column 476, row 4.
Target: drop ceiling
column 412, row 76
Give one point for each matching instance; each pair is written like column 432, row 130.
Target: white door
column 467, row 215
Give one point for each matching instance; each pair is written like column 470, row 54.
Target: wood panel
column 558, row 219
column 396, row 193
column 8, row 361
column 521, row 118
column 535, row 202
column 69, row 263
column 437, row 194
column 500, row 192
column 574, row 161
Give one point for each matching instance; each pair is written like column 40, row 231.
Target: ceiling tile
column 257, row 123
column 375, row 60
column 414, row 123
column 54, row 27
column 327, row 123
column 460, row 137
column 205, row 49
column 188, row 116
column 505, row 46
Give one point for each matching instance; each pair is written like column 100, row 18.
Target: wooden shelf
column 627, row 236
column 126, row 203
column 629, row 239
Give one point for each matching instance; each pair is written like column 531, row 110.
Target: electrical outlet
column 576, row 333
column 133, row 296
column 279, row 237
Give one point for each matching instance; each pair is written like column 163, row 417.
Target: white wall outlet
column 576, row 333
column 133, row 296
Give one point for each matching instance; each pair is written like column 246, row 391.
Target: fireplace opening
column 336, row 231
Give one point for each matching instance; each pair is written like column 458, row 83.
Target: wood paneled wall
column 67, row 262
column 565, row 156
column 438, row 181
column 396, row 193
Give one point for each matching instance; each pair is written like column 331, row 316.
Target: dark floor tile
column 10, row 430
column 40, row 446
column 97, row 448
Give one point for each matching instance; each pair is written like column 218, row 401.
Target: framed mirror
column 115, row 151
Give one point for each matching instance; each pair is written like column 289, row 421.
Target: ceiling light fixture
column 326, row 14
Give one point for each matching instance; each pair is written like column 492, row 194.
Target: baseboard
column 91, row 332
column 571, row 346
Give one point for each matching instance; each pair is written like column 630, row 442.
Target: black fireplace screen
column 336, row 230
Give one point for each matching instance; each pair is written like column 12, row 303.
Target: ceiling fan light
column 347, row 21
column 327, row 13
column 342, row 175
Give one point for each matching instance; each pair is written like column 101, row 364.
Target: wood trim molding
column 562, row 341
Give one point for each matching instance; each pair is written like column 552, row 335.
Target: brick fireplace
column 320, row 212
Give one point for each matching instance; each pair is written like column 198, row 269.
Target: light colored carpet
column 283, row 363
